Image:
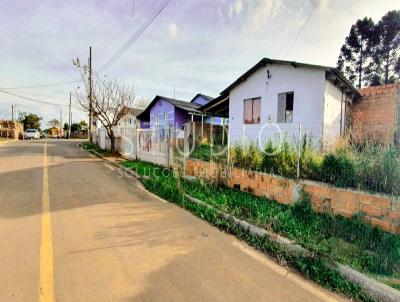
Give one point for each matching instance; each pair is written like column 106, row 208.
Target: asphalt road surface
column 73, row 229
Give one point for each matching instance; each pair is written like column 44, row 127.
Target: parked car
column 32, row 134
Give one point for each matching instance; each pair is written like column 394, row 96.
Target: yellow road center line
column 46, row 293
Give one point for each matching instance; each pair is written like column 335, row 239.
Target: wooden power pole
column 69, row 117
column 90, row 94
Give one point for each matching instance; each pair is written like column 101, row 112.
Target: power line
column 31, row 99
column 314, row 6
column 122, row 27
column 43, row 85
column 135, row 36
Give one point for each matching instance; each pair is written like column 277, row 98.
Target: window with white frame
column 285, row 107
column 252, row 111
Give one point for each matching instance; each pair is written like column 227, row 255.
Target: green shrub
column 207, row 152
column 280, row 160
column 378, row 168
column 248, row 157
column 338, row 169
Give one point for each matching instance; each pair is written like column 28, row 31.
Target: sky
column 190, row 47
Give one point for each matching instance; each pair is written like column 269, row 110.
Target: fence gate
column 128, row 142
column 153, row 145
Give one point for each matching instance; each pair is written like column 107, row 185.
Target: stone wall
column 380, row 210
column 375, row 116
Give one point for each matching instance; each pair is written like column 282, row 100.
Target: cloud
column 251, row 14
column 235, row 8
column 172, row 30
column 259, row 12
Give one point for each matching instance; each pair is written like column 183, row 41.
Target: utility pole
column 12, row 112
column 61, row 125
column 69, row 117
column 90, row 94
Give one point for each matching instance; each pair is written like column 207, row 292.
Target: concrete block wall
column 376, row 116
column 380, row 210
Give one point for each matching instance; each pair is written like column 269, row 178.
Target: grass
column 92, row 147
column 331, row 238
column 370, row 167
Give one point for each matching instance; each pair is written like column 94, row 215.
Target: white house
column 279, row 99
column 130, row 120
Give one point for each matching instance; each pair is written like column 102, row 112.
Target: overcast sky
column 196, row 46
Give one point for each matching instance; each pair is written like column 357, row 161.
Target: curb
column 375, row 289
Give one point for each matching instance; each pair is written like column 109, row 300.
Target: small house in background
column 165, row 112
column 130, row 120
column 54, row 132
column 278, row 99
column 377, row 116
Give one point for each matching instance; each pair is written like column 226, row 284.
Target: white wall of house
column 308, row 85
column 333, row 114
column 128, row 121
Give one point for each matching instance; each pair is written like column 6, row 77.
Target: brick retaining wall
column 380, row 210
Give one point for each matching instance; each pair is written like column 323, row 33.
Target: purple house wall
column 164, row 113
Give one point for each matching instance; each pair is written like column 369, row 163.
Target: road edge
column 375, row 289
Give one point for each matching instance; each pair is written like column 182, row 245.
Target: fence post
column 299, row 152
column 202, row 126
column 170, row 147
column 186, row 132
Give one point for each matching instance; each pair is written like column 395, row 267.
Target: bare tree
column 141, row 103
column 111, row 100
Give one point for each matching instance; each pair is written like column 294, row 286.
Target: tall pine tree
column 355, row 54
column 386, row 54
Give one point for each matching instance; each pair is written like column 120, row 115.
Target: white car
column 32, row 134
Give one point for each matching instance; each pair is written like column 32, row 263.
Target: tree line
column 370, row 55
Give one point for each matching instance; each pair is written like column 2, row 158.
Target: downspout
column 341, row 115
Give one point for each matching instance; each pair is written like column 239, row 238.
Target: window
column 252, row 111
column 155, row 120
column 285, row 107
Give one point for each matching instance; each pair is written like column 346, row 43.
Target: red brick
column 353, row 206
column 385, row 225
column 372, row 211
column 394, row 215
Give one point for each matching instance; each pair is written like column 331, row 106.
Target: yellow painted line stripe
column 46, row 246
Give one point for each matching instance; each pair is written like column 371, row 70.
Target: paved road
column 72, row 230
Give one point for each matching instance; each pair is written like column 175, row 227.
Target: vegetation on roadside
column 93, row 147
column 371, row 167
column 330, row 238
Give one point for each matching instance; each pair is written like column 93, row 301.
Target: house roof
column 220, row 105
column 207, row 97
column 189, row 107
column 135, row 111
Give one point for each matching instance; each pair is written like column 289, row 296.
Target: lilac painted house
column 165, row 112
